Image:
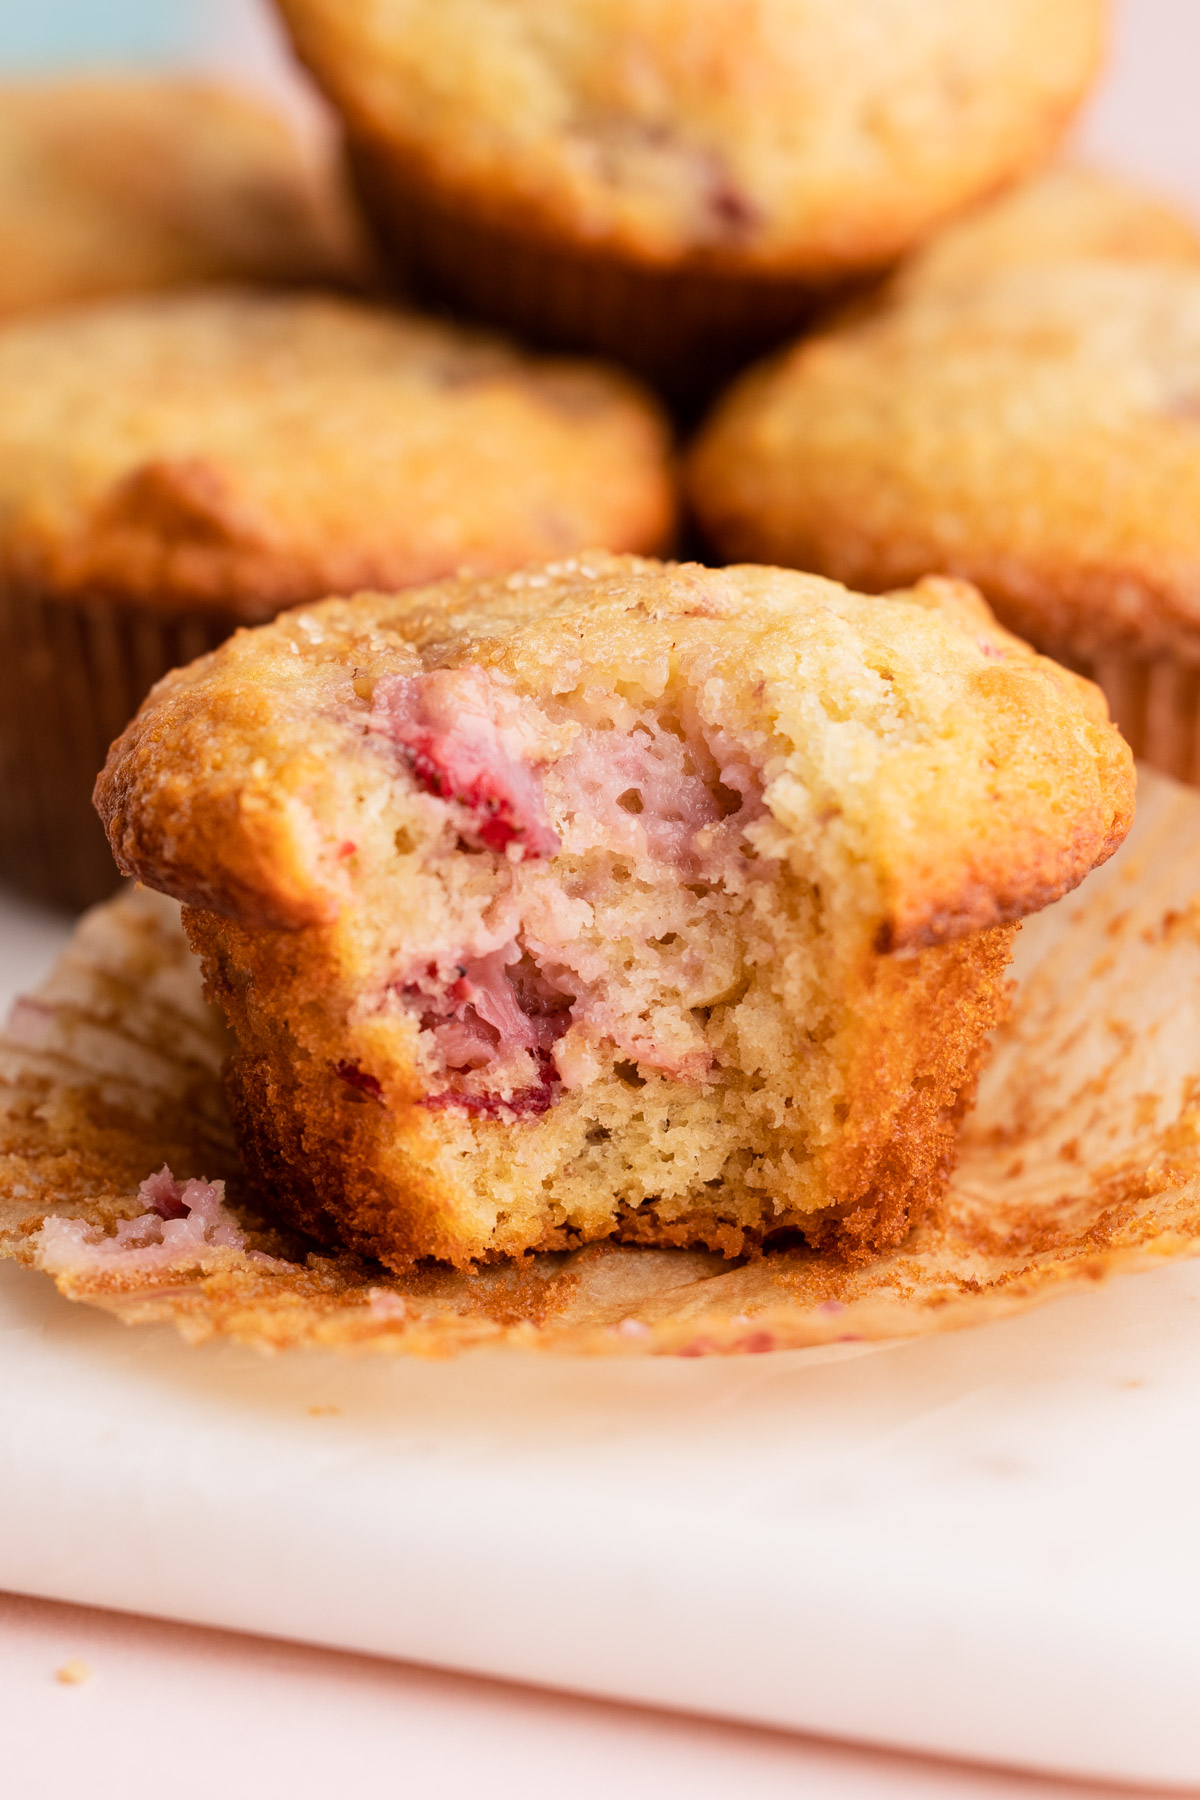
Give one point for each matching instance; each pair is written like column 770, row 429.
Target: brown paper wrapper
column 687, row 331
column 1156, row 703
column 1082, row 1158
column 72, row 675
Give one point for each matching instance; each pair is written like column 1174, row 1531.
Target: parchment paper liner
column 1156, row 703
column 1082, row 1158
column 686, row 329
column 73, row 671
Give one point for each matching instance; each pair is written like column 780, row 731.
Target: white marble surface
column 985, row 1546
column 982, row 1545
column 170, row 1710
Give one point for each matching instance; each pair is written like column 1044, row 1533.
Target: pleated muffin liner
column 1155, row 701
column 1081, row 1160
column 685, row 330
column 72, row 674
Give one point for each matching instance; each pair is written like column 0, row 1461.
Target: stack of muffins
column 507, row 883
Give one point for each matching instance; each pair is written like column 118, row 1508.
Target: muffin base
column 72, row 674
column 686, row 330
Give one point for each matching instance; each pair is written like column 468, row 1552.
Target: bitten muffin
column 675, row 182
column 1034, row 427
column 172, row 467
column 114, row 184
column 612, row 897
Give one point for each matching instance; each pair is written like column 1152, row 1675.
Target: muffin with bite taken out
column 612, row 897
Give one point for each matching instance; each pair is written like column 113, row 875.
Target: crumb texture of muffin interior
column 612, row 897
column 115, row 183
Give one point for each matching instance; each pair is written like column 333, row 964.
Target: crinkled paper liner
column 685, row 329
column 73, row 671
column 1082, row 1158
column 1156, row 703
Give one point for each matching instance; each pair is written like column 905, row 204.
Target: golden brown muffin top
column 1036, row 431
column 118, row 183
column 250, row 450
column 1061, row 215
column 944, row 776
column 800, row 137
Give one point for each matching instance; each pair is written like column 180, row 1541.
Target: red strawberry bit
column 526, row 1103
column 359, row 1079
column 164, row 1195
column 492, row 1007
column 184, row 1223
column 488, row 1007
column 446, row 723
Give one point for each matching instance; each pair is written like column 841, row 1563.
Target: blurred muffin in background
column 1062, row 213
column 1020, row 406
column 678, row 182
column 119, row 183
column 174, row 466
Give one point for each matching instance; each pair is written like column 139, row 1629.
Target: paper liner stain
column 1082, row 1158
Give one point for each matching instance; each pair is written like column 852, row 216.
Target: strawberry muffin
column 680, row 182
column 1029, row 422
column 1064, row 214
column 612, row 898
column 113, row 184
column 174, row 466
